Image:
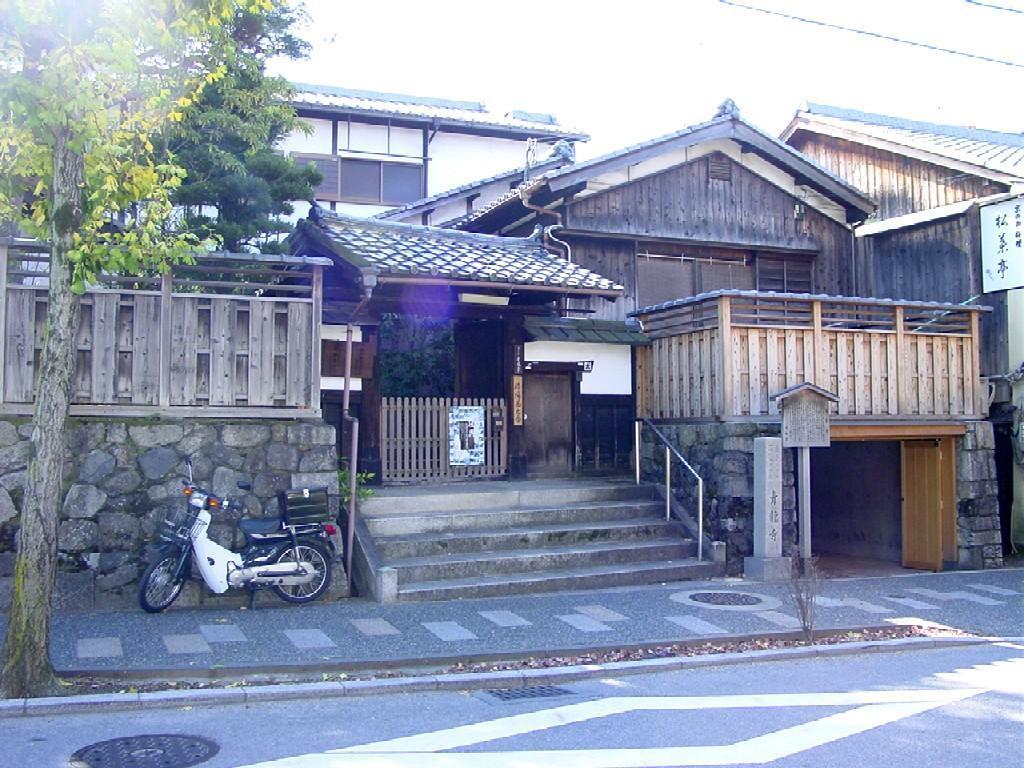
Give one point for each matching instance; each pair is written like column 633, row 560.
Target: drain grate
column 150, row 751
column 529, row 692
column 726, row 598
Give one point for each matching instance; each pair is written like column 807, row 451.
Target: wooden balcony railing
column 231, row 335
column 724, row 354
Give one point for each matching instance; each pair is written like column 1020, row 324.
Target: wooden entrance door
column 929, row 500
column 547, row 426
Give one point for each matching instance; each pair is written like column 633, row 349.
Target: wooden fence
column 725, row 355
column 415, row 444
column 231, row 336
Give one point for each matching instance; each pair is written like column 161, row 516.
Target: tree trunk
column 27, row 670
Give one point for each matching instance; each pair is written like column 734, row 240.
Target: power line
column 995, row 7
column 869, row 33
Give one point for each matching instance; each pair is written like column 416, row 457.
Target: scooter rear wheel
column 159, row 586
column 320, row 559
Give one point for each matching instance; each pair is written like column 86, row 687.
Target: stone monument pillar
column 767, row 564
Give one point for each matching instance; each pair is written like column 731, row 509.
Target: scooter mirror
column 188, row 463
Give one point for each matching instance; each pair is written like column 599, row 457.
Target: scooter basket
column 304, row 506
column 178, row 524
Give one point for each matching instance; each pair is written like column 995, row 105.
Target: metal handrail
column 670, row 451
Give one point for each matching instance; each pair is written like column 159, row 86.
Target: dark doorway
column 548, row 428
column 604, row 433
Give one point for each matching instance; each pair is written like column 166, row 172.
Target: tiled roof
column 992, row 150
column 425, row 109
column 409, row 250
column 584, row 330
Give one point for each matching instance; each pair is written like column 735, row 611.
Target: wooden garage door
column 929, row 499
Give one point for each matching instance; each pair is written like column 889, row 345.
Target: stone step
column 594, row 577
column 532, row 537
column 480, row 564
column 497, row 495
column 520, row 517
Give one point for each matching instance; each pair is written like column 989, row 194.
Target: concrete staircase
column 443, row 543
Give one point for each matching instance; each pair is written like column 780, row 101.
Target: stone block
column 96, row 466
column 225, row 481
column 244, row 435
column 157, row 463
column 74, row 591
column 77, row 535
column 767, row 568
column 984, row 437
column 123, row 482
column 8, row 434
column 15, row 457
column 744, row 444
column 316, row 480
column 83, row 501
column 117, row 432
column 218, row 455
column 735, row 486
column 154, row 435
column 7, row 509
column 13, row 481
column 987, row 537
column 733, row 462
column 310, row 434
column 282, row 456
column 197, row 436
column 25, row 430
column 322, row 458
column 118, row 531
column 7, row 563
column 267, row 484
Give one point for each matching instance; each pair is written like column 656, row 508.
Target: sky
column 625, row 71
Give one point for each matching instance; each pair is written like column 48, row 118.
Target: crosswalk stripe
column 584, row 623
column 304, row 639
column 958, row 595
column 181, row 644
column 374, row 627
column 601, row 613
column 697, row 626
column 222, row 633
column 912, row 603
column 779, row 619
column 850, row 602
column 449, row 631
column 505, row 618
column 993, row 590
column 99, row 648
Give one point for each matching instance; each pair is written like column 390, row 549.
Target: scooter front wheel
column 317, row 556
column 160, row 585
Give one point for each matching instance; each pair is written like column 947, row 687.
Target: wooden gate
column 929, row 500
column 414, row 440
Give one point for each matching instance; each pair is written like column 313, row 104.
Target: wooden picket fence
column 414, row 440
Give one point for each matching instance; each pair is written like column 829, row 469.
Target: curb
column 253, row 694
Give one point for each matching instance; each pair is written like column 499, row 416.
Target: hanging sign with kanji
column 1002, row 245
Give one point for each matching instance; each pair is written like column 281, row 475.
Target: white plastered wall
column 458, row 158
column 613, row 370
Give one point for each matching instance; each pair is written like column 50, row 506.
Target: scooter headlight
column 197, row 500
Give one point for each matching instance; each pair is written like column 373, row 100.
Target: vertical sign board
column 767, row 497
column 466, row 435
column 1002, row 245
column 517, row 401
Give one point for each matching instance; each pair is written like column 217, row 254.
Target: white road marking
column 993, row 590
column 222, row 633
column 584, row 623
column 449, row 631
column 601, row 613
column 934, row 594
column 505, row 618
column 99, row 648
column 304, row 639
column 851, row 602
column 912, row 603
column 697, row 626
column 779, row 619
column 186, row 644
column 374, row 627
column 871, row 709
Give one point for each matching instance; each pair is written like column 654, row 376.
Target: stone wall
column 122, row 476
column 979, row 541
column 723, row 454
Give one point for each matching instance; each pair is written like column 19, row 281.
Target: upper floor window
column 376, row 182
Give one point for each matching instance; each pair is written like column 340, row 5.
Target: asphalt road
column 948, row 707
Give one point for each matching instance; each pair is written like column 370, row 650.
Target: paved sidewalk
column 361, row 634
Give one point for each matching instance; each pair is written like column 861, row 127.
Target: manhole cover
column 726, row 598
column 152, row 751
column 529, row 692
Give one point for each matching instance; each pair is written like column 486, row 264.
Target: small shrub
column 804, row 582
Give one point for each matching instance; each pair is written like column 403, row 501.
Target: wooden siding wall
column 414, row 440
column 684, row 203
column 899, row 184
column 616, row 260
column 141, row 352
column 936, row 261
column 886, row 362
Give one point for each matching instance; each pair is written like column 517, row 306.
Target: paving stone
column 222, row 633
column 779, row 619
column 993, row 590
column 584, row 623
column 910, row 602
column 99, row 648
column 505, row 618
column 601, row 613
column 309, row 638
column 697, row 626
column 186, row 644
column 449, row 631
column 375, row 627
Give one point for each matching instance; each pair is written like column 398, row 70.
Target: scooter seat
column 260, row 526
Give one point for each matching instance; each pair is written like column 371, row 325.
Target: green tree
column 86, row 85
column 238, row 187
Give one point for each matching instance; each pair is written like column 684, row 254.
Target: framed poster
column 465, row 435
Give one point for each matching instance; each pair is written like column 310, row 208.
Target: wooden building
column 931, row 182
column 737, row 253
